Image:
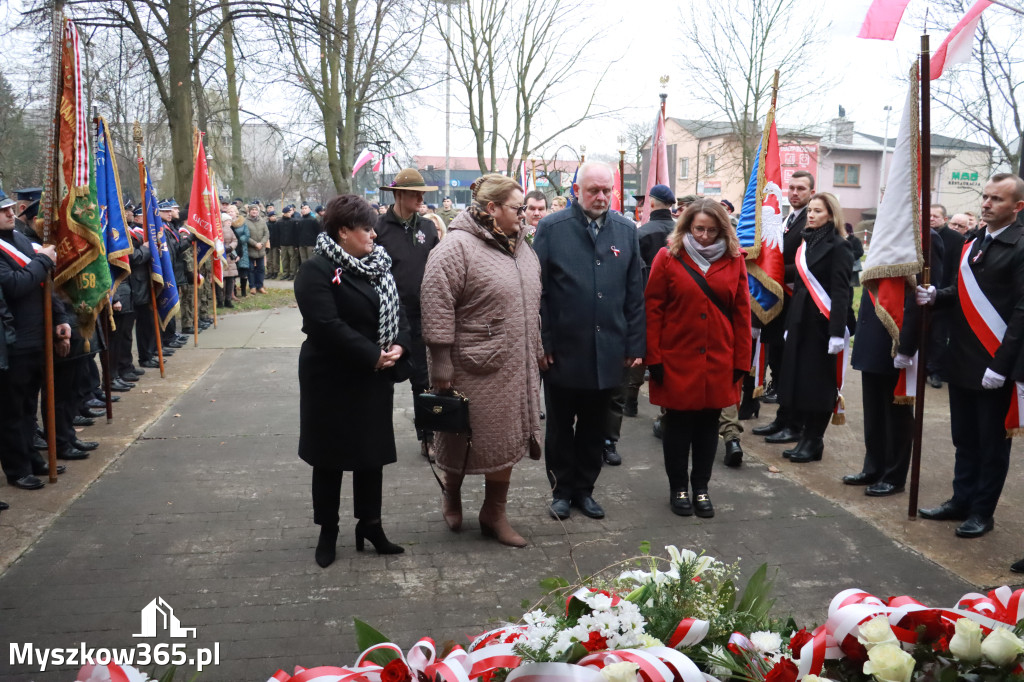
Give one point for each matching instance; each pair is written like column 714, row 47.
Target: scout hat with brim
column 410, row 179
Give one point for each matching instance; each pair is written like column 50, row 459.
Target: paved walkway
column 199, row 498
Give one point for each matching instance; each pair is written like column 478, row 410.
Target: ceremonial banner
column 759, row 227
column 162, row 268
column 895, row 258
column 657, row 169
column 616, row 204
column 202, row 206
column 81, row 270
column 218, row 235
column 956, row 48
column 108, row 189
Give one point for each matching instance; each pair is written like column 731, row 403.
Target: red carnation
column 595, row 642
column 798, row 640
column 784, row 671
column 395, row 671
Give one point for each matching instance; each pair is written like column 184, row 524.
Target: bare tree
column 21, row 146
column 730, row 55
column 356, row 59
column 512, row 60
column 637, row 135
column 984, row 99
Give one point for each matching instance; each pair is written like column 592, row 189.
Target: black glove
column 738, row 374
column 657, row 373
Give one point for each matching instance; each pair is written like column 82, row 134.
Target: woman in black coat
column 355, row 350
column 815, row 342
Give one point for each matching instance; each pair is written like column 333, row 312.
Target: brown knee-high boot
column 493, row 522
column 451, row 500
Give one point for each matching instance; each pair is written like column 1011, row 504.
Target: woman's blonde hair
column 558, row 203
column 708, row 207
column 835, row 211
column 438, row 223
column 493, row 187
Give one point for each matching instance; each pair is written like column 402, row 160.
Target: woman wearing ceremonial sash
column 817, row 326
column 698, row 345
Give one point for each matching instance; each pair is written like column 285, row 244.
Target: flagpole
column 137, row 134
column 622, row 181
column 49, row 216
column 926, row 251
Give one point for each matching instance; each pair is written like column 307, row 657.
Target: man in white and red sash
column 987, row 337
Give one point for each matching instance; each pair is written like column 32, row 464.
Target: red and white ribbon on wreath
column 502, row 635
column 689, row 632
column 554, row 672
column 990, row 328
column 655, row 664
column 106, row 673
column 824, row 304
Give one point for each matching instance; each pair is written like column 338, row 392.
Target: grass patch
column 274, row 298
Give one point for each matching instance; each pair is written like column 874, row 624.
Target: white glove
column 755, row 332
column 992, row 380
column 902, row 361
column 836, row 345
column 925, row 296
column 785, row 335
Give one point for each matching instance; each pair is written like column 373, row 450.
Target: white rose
column 814, row 678
column 620, row 672
column 876, row 631
column 889, row 663
column 966, row 642
column 1002, row 647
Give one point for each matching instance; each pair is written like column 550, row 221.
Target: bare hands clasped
column 390, row 357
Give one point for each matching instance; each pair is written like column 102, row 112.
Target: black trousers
column 575, row 435
column 976, row 420
column 785, row 415
column 685, row 432
column 121, row 344
column 632, row 380
column 813, row 423
column 938, row 343
column 145, row 333
column 19, row 390
column 66, row 400
column 420, row 378
column 366, row 494
column 888, row 429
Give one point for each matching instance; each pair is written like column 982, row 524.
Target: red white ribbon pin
column 616, row 251
column 337, row 276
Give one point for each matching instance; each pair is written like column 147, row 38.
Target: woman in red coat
column 698, row 344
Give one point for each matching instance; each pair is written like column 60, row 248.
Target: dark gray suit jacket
column 592, row 306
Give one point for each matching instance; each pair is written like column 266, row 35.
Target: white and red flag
column 882, row 19
column 361, row 161
column 657, row 169
column 956, row 48
column 895, row 259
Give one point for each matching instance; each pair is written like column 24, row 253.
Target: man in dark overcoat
column 986, row 338
column 592, row 325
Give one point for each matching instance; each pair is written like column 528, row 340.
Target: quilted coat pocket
column 480, row 347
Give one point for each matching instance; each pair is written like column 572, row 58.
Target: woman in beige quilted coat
column 481, row 323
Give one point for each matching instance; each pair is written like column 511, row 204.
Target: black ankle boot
column 326, row 545
column 374, row 532
column 811, row 452
column 801, row 445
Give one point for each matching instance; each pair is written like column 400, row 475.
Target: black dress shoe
column 883, row 489
column 120, row 386
column 559, row 508
column 811, row 452
column 129, row 378
column 935, row 381
column 96, row 404
column 657, row 428
column 115, row 398
column 1016, row 566
column 793, row 450
column 947, row 511
column 771, row 393
column 974, row 527
column 733, row 453
column 90, row 413
column 786, row 435
column 85, row 445
column 680, row 503
column 589, row 506
column 40, row 443
column 188, row 330
column 768, row 429
column 29, row 482
column 79, row 420
column 152, row 363
column 137, row 370
column 702, row 504
column 611, row 456
column 860, row 478
column 45, row 470
column 72, row 454
column 4, row 506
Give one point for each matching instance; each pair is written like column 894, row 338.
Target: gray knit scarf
column 375, row 268
column 703, row 256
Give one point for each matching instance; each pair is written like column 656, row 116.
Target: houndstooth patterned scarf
column 376, row 269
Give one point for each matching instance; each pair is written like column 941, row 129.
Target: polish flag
column 956, row 48
column 617, row 192
column 657, row 170
column 882, row 19
column 380, row 162
column 363, row 159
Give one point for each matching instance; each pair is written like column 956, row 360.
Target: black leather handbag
column 443, row 411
